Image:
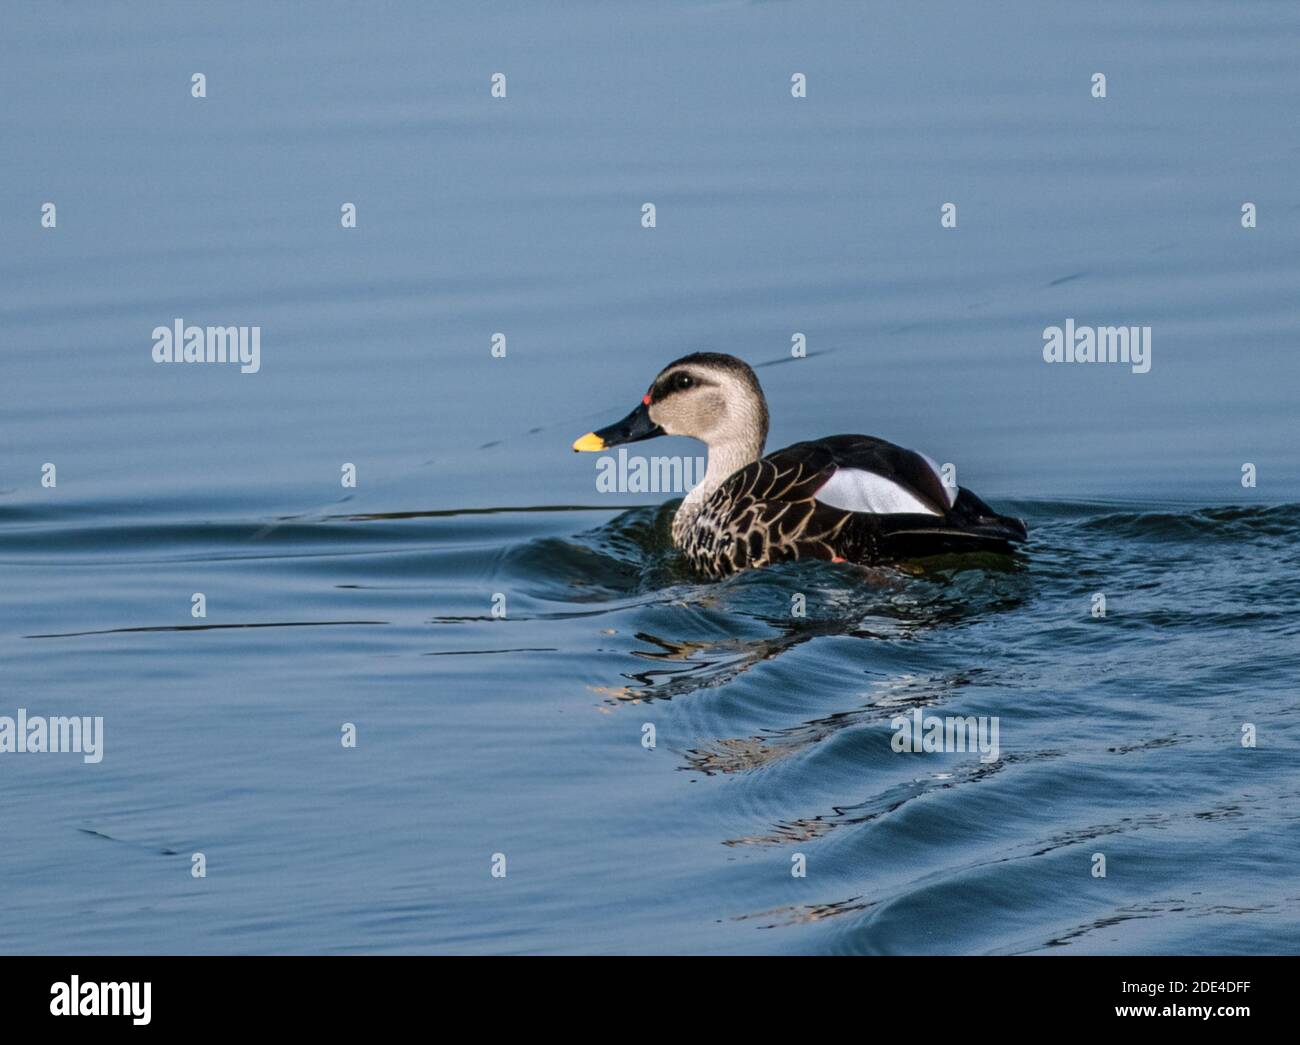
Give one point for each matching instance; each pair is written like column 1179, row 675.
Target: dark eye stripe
column 669, row 385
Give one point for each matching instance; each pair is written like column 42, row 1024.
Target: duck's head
column 708, row 396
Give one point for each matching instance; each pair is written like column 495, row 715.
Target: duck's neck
column 724, row 460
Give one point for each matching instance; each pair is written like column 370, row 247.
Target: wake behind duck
column 844, row 498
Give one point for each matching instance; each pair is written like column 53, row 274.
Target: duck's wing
column 901, row 506
column 878, row 478
column 844, row 497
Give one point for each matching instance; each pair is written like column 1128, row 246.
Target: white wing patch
column 855, row 490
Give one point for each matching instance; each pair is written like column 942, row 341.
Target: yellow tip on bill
column 590, row 441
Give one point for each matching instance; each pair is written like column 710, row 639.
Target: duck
column 842, row 498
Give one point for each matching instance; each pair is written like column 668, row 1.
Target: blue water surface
column 477, row 734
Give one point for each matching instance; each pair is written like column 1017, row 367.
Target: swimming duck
column 845, row 498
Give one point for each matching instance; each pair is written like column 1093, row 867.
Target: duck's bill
column 633, row 428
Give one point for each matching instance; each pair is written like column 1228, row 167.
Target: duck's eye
column 682, row 381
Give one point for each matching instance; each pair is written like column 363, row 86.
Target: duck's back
column 850, row 497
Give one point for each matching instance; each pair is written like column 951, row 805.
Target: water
column 522, row 735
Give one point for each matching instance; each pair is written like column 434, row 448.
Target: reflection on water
column 738, row 754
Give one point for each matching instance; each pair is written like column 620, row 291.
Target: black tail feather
column 970, row 525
